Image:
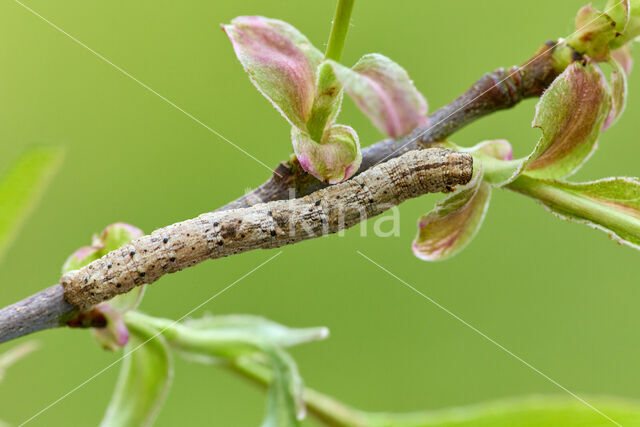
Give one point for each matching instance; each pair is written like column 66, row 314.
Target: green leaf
column 21, row 188
column 327, row 102
column 570, row 115
column 594, row 32
column 285, row 404
column 626, row 13
column 216, row 338
column 454, row 221
column 144, row 380
column 280, row 61
column 496, row 157
column 611, row 205
column 270, row 331
column 535, row 411
column 111, row 238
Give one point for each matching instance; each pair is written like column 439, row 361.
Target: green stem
column 577, row 206
column 339, row 30
column 324, row 408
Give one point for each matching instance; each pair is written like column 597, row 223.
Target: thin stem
column 326, row 409
column 339, row 30
column 576, row 205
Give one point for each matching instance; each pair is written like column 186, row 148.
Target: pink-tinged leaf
column 334, row 160
column 498, row 148
column 115, row 334
column 111, row 238
column 570, row 115
column 454, row 221
column 280, row 61
column 623, row 57
column 118, row 234
column 82, row 257
column 594, row 31
column 383, row 90
column 618, row 95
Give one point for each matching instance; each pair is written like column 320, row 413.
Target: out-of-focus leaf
column 10, row 357
column 333, row 160
column 454, row 221
column 626, row 13
column 618, row 94
column 269, row 330
column 144, row 380
column 611, row 205
column 231, row 337
column 570, row 115
column 280, row 61
column 383, row 90
column 522, row 412
column 594, row 32
column 21, row 187
column 285, row 404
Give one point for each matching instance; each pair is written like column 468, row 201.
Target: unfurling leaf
column 144, row 380
column 268, row 330
column 626, row 13
column 623, row 57
column 570, row 115
column 497, row 161
column 22, row 186
column 327, row 102
column 618, row 94
column 285, row 404
column 333, row 160
column 611, row 205
column 111, row 238
column 594, row 31
column 114, row 335
column 383, row 90
column 235, row 337
column 454, row 221
column 280, row 61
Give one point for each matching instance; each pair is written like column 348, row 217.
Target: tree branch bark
column 495, row 91
column 499, row 90
column 220, row 234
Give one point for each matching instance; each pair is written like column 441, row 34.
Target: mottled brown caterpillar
column 267, row 225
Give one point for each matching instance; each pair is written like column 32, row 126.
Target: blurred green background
column 561, row 296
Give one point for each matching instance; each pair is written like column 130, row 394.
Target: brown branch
column 263, row 226
column 499, row 90
column 495, row 91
